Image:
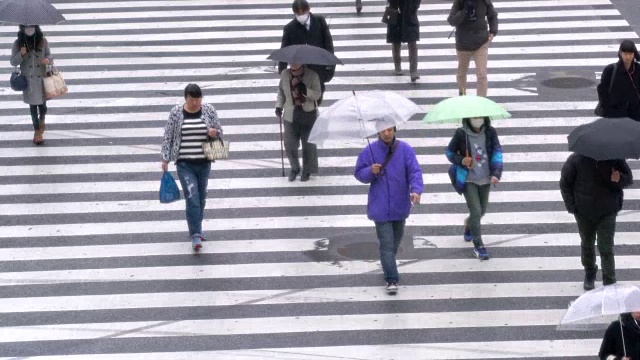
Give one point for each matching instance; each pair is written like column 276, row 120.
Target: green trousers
column 477, row 197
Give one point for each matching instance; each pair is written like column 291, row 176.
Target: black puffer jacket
column 587, row 188
column 471, row 35
column 612, row 341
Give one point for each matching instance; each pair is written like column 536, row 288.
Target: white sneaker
column 392, row 288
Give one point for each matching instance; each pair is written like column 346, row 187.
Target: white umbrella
column 362, row 115
column 597, row 308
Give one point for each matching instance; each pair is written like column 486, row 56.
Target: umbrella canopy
column 607, row 139
column 466, row 106
column 29, row 12
column 304, row 54
column 361, row 115
column 597, row 308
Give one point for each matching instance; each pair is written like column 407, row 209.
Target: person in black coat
column 612, row 348
column 310, row 29
column 404, row 27
column 619, row 93
column 593, row 191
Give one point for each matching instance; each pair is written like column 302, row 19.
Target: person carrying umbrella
column 310, row 29
column 476, row 155
column 391, row 168
column 592, row 182
column 298, row 92
column 621, row 341
column 32, row 54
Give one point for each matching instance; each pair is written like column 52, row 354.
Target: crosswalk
column 93, row 267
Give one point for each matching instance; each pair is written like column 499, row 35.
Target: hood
column 466, row 126
column 629, row 324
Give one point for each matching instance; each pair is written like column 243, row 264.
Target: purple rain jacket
column 389, row 192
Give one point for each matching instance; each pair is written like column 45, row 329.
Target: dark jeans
column 389, row 235
column 294, row 133
column 35, row 119
column 477, row 197
column 194, row 176
column 604, row 230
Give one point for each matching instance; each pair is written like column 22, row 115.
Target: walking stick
column 281, row 144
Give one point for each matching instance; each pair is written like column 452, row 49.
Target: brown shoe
column 38, row 139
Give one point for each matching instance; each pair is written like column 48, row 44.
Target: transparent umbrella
column 362, row 115
column 598, row 307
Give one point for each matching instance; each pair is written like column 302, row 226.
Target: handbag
column 54, row 84
column 169, row 191
column 216, row 149
column 390, row 16
column 18, row 81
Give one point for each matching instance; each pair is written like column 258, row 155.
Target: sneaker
column 467, row 235
column 203, row 238
column 481, row 253
column 196, row 243
column 392, row 288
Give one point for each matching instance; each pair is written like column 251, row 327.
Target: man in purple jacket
column 392, row 169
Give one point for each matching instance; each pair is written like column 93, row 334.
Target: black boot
column 413, row 61
column 358, row 6
column 590, row 279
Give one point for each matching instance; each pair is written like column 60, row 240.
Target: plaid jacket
column 172, row 131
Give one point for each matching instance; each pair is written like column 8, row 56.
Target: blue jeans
column 389, row 235
column 194, row 177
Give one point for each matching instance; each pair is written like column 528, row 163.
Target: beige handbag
column 54, row 84
column 216, row 149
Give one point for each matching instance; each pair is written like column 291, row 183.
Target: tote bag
column 54, row 85
column 216, row 149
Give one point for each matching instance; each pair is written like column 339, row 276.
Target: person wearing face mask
column 32, row 54
column 311, row 29
column 404, row 29
column 619, row 88
column 476, row 157
column 298, row 93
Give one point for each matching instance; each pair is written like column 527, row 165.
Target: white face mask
column 29, row 31
column 477, row 122
column 302, row 19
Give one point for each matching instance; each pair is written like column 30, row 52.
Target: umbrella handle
column 624, row 347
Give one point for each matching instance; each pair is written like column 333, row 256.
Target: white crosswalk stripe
column 93, row 267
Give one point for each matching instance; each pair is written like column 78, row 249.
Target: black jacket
column 612, row 341
column 318, row 35
column 408, row 27
column 624, row 99
column 587, row 188
column 471, row 35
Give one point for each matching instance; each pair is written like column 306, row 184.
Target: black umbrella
column 607, row 139
column 29, row 12
column 304, row 55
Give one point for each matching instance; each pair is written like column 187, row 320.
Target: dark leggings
column 37, row 120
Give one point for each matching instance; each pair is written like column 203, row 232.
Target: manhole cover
column 568, row 82
column 361, row 251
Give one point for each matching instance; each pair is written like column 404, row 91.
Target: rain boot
column 397, row 60
column 590, row 279
column 413, row 61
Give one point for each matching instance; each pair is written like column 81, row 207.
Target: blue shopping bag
column 169, row 191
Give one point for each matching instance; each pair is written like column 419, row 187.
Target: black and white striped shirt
column 193, row 135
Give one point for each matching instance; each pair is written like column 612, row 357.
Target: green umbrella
column 466, row 106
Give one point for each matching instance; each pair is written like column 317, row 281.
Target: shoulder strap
column 613, row 74
column 392, row 150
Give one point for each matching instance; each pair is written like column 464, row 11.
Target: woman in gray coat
column 31, row 52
